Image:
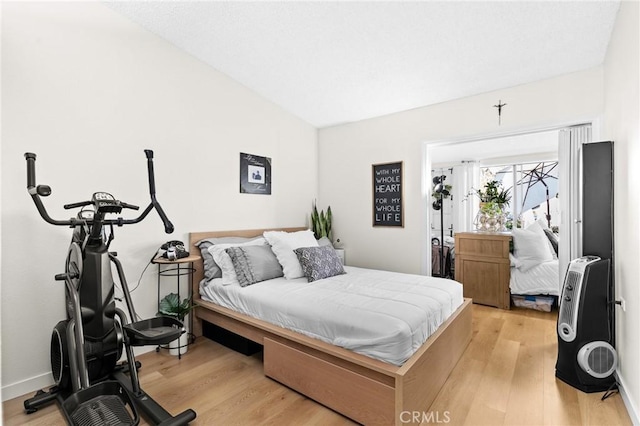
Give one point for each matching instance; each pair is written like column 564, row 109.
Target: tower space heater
column 586, row 355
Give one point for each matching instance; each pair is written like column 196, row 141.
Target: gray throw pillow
column 319, row 262
column 253, row 264
column 211, row 269
column 553, row 239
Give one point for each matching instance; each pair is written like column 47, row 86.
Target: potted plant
column 171, row 306
column 493, row 200
column 493, row 193
column 321, row 222
column 322, row 228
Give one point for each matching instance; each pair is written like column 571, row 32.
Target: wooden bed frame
column 366, row 390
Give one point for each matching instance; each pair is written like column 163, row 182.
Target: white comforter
column 384, row 315
column 541, row 279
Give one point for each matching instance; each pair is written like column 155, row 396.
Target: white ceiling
column 336, row 62
column 499, row 150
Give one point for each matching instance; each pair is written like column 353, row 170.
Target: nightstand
column 178, row 268
column 482, row 266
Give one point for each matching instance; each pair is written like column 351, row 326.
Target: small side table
column 177, row 268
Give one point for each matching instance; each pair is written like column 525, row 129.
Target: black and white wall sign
column 255, row 174
column 387, row 194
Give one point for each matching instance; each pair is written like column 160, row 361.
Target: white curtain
column 570, row 144
column 465, row 177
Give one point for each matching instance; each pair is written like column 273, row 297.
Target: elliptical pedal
column 103, row 404
column 107, row 410
column 154, row 331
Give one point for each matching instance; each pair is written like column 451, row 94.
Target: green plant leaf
column 171, row 306
column 316, row 222
column 321, row 222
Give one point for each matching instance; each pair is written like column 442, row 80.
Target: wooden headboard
column 194, row 237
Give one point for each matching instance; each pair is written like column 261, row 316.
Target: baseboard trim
column 632, row 410
column 23, row 387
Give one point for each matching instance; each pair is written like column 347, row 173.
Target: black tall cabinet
column 597, row 199
column 597, row 213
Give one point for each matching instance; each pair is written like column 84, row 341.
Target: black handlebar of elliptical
column 88, row 203
column 168, row 226
column 37, row 191
column 152, row 181
column 31, row 169
column 76, row 205
column 128, row 206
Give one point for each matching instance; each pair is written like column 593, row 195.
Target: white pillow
column 539, row 227
column 223, row 260
column 283, row 245
column 530, row 248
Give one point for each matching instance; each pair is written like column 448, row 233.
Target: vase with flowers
column 492, row 215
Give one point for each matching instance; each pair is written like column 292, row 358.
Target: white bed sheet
column 540, row 279
column 380, row 314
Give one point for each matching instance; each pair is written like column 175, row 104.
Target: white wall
column 347, row 152
column 87, row 91
column 622, row 125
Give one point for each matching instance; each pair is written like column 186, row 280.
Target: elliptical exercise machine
column 91, row 387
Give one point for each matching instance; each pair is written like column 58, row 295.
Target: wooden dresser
column 482, row 266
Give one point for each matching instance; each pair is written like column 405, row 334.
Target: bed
column 540, row 279
column 361, row 387
column 535, row 269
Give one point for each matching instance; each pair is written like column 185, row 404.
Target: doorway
column 462, row 160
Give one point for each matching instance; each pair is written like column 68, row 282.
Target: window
column 533, row 188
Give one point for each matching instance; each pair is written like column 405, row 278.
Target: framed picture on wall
column 255, row 174
column 387, row 194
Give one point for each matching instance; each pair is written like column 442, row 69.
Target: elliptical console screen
column 103, row 196
column 106, row 203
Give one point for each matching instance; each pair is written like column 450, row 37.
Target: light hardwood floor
column 505, row 377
